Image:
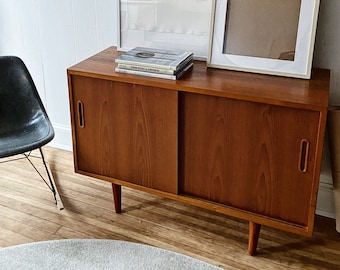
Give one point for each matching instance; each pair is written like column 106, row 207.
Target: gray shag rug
column 90, row 254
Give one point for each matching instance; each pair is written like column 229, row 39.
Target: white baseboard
column 62, row 138
column 325, row 205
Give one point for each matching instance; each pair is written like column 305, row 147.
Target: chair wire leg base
column 51, row 185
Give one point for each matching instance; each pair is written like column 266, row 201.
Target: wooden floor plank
column 28, row 213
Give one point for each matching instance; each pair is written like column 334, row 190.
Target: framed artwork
column 165, row 24
column 264, row 36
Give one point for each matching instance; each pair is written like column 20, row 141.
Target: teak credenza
column 246, row 145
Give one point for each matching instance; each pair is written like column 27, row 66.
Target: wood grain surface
column 28, row 214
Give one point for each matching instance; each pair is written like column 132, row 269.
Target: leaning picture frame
column 165, row 24
column 263, row 36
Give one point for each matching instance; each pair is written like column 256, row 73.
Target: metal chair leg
column 52, row 186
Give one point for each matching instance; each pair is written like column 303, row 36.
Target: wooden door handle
column 303, row 158
column 81, row 119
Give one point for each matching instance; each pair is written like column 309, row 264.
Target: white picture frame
column 165, row 24
column 250, row 59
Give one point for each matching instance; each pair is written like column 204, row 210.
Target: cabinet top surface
column 313, row 93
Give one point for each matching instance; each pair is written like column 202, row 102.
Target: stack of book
column 157, row 63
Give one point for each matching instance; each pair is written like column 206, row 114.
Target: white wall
column 51, row 35
column 327, row 55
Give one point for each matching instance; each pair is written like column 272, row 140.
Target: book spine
column 128, row 62
column 146, row 69
column 184, row 70
column 148, row 74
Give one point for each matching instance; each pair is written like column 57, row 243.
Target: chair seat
column 24, row 140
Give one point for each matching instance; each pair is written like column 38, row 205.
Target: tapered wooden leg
column 254, row 233
column 117, row 197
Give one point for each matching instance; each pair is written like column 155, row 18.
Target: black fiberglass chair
column 24, row 124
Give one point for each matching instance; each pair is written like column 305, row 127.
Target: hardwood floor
column 28, row 214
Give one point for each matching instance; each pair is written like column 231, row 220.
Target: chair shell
column 24, row 123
